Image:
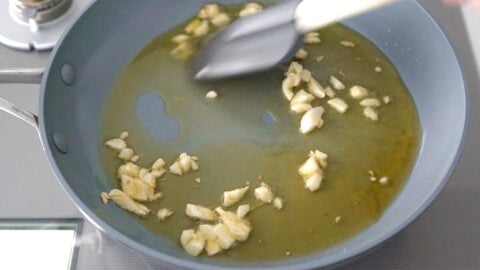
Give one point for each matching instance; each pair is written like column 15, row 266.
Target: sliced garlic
column 301, row 54
column 329, row 92
column 211, row 95
column 387, row 99
column 192, row 242
column 264, row 193
column 233, row 196
column 306, row 75
column 336, row 83
column 129, row 169
column 370, row 102
column 314, row 182
column 347, row 43
column 190, row 28
column 358, row 92
column 220, row 20
column 302, row 97
column 338, row 104
column 300, row 108
column 127, row 203
column 370, row 113
column 315, row 88
column 224, row 237
column 202, row 29
column 243, row 210
column 239, row 228
column 180, row 38
column 311, row 120
column 164, row 213
column 287, row 86
column 312, row 38
column 200, row 212
column 278, row 203
column 105, row 197
column 116, row 144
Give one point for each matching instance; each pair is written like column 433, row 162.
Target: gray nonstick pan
column 76, row 82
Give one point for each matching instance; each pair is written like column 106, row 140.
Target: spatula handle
column 314, row 14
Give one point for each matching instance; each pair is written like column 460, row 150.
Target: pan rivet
column 68, row 74
column 60, row 142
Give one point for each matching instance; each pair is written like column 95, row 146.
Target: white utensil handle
column 314, row 14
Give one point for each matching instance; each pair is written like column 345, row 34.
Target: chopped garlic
column 314, row 182
column 239, row 228
column 311, row 120
column 224, row 237
column 347, row 43
column 264, row 193
column 310, row 167
column 287, row 87
column 192, row 242
column 250, row 9
column 320, row 59
column 336, row 83
column 315, row 88
column 384, row 181
column 295, row 68
column 129, row 169
column 190, row 28
column 301, row 54
column 164, row 213
column 184, row 164
column 149, row 179
column 338, row 219
column 124, row 135
column 243, row 210
column 127, row 203
column 158, row 173
column 387, row 99
column 370, row 113
column 158, row 164
column 320, row 157
column 306, row 75
column 200, row 212
column 278, row 203
column 370, row 102
column 338, row 104
column 180, row 38
column 373, row 178
column 329, row 92
column 105, row 197
column 116, row 144
column 312, row 38
column 212, row 248
column 358, row 92
column 221, row 20
column 135, row 158
column 198, row 180
column 302, row 97
column 182, row 52
column 300, row 108
column 209, row 11
column 233, row 196
column 202, row 29
column 126, row 154
column 212, row 95
column 378, row 69
column 137, row 189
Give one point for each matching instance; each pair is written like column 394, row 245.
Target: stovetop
column 447, row 236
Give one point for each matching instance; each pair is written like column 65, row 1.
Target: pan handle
column 20, row 76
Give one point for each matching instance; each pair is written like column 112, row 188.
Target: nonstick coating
column 109, row 35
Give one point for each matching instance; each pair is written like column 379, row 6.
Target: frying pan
column 76, row 83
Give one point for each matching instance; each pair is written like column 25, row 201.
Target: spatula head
column 252, row 44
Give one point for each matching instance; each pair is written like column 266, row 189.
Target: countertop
column 446, row 236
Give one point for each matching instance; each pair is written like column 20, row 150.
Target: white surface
column 36, row 249
column 472, row 20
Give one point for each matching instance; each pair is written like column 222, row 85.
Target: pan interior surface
column 424, row 59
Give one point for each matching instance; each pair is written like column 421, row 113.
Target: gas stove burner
column 40, row 11
column 36, row 24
